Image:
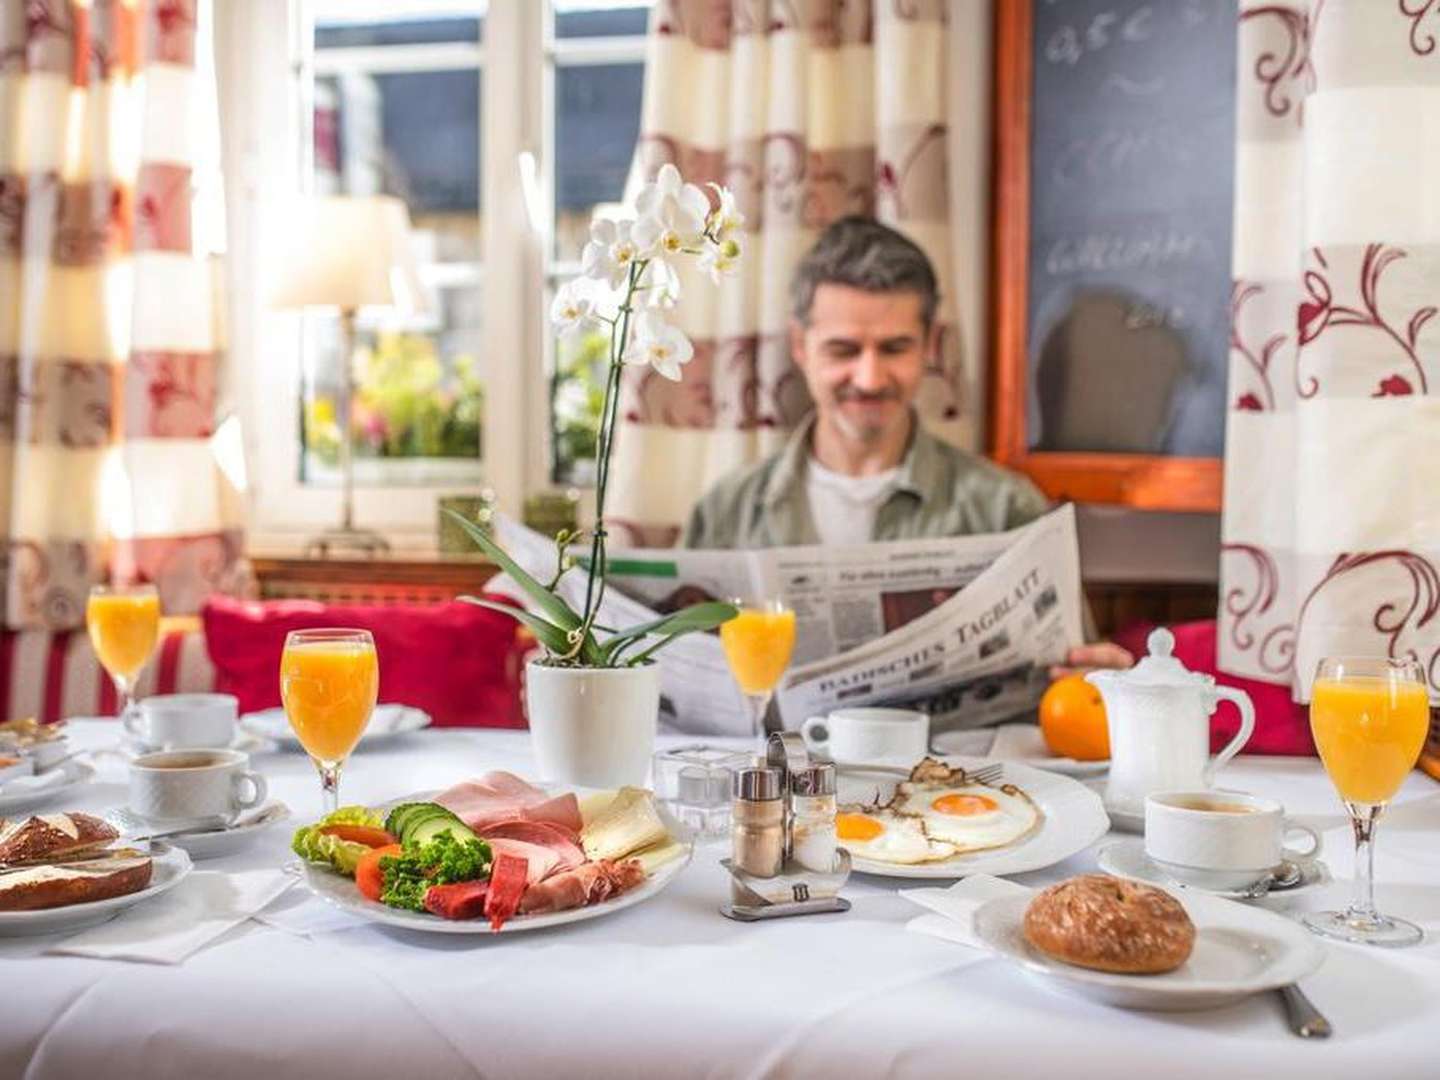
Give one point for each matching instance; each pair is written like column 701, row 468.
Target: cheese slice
column 630, row 823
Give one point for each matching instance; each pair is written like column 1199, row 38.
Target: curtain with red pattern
column 808, row 110
column 1331, row 539
column 110, row 227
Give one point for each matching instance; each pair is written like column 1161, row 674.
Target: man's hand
column 1098, row 654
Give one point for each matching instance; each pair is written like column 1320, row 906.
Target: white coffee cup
column 182, row 721
column 1225, row 841
column 861, row 735
column 175, row 786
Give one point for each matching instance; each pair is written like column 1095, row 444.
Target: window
column 504, row 125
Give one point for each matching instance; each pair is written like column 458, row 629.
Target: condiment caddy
column 784, row 858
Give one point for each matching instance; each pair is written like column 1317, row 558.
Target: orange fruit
column 1072, row 719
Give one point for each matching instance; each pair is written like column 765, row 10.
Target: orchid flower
column 720, row 259
column 725, row 218
column 655, row 342
column 572, row 312
column 672, row 213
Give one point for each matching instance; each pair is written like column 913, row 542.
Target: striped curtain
column 809, row 110
column 1331, row 538
column 110, row 224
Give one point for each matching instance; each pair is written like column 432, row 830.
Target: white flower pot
column 593, row 726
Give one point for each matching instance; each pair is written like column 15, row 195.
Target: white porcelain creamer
column 1159, row 718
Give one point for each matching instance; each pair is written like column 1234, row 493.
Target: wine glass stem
column 329, row 786
column 125, row 690
column 759, row 706
column 1362, row 819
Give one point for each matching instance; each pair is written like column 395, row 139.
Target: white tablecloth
column 670, row 988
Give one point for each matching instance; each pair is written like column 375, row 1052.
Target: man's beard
column 860, row 432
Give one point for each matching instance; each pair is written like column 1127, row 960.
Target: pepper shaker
column 812, row 817
column 757, row 823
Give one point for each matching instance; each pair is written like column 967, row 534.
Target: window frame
column 266, row 64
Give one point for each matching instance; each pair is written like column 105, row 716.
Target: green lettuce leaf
column 341, row 855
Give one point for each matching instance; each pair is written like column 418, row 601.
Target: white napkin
column 181, row 922
column 954, row 908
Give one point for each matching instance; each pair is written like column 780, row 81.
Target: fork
column 990, row 774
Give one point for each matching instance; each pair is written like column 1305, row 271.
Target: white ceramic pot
column 593, row 726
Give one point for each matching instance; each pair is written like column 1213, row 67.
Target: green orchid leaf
column 558, row 611
column 690, row 620
column 550, row 635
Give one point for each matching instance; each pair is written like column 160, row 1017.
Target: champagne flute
column 329, row 680
column 1369, row 716
column 758, row 642
column 124, row 623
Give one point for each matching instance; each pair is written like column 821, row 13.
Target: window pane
column 600, row 18
column 597, row 120
column 402, row 117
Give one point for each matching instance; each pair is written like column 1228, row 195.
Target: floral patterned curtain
column 809, row 110
column 1332, row 461
column 110, row 216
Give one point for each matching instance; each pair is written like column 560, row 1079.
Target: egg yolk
column 964, row 805
column 857, row 827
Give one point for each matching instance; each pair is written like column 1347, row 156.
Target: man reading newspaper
column 861, row 468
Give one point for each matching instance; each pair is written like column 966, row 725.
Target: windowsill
column 418, row 472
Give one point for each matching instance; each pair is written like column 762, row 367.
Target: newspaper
column 963, row 628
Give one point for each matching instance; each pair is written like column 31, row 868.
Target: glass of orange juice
column 329, row 680
column 758, row 643
column 124, row 623
column 1369, row 716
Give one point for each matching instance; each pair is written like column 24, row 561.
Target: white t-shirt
column 844, row 507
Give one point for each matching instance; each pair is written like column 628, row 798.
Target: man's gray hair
column 860, row 252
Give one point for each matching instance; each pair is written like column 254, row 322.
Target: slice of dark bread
column 59, row 886
column 51, row 837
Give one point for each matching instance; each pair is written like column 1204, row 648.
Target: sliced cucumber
column 426, row 829
column 398, row 818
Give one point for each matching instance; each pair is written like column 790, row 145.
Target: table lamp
column 346, row 253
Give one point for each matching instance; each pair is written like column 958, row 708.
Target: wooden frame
column 1152, row 482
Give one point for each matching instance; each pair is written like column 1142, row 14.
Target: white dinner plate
column 386, row 722
column 1127, row 859
column 1239, row 950
column 24, row 792
column 169, row 867
column 1072, row 819
column 1021, row 743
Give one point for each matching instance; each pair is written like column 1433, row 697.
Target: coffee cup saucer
column 241, row 740
column 211, row 844
column 1127, row 859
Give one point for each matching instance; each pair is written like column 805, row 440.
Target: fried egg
column 880, row 834
column 968, row 816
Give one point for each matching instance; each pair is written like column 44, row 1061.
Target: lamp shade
column 348, row 252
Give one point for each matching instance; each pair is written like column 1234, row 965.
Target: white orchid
column 655, row 342
column 662, row 284
column 572, row 312
column 672, row 213
column 720, row 259
column 725, row 218
column 596, row 258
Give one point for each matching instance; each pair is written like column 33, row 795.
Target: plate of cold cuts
column 551, row 856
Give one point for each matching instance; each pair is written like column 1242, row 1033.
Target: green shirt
column 940, row 491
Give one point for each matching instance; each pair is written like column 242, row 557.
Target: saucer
column 1127, row 858
column 214, row 844
column 244, row 741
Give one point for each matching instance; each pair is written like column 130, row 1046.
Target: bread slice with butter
column 52, row 886
column 52, row 837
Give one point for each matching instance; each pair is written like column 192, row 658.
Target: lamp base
column 341, row 540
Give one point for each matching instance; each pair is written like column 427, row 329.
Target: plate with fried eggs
column 938, row 821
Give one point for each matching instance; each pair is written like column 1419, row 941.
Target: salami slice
column 507, row 885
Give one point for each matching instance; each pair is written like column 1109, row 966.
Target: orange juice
column 757, row 646
column 1369, row 732
column 329, row 689
column 123, row 629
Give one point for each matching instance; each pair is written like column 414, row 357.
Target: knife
column 1301, row 1014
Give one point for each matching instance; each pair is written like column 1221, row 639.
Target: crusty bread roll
column 51, row 837
column 59, row 886
column 1110, row 924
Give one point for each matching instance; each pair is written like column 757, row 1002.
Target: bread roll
column 51, row 837
column 1110, row 924
column 59, row 886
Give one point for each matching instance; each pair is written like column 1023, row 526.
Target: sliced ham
column 587, row 884
column 560, row 841
column 507, row 884
column 502, row 796
column 540, row 860
column 462, row 900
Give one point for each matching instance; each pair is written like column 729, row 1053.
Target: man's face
column 863, row 355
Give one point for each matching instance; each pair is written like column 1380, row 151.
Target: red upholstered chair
column 1281, row 726
column 458, row 662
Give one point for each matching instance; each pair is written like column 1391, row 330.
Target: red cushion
column 1282, row 726
column 458, row 662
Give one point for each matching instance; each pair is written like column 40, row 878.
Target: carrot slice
column 368, row 878
column 359, row 834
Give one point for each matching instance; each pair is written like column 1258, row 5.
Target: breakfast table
column 669, row 987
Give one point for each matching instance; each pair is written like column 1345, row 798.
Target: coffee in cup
column 171, row 787
column 863, row 735
column 176, row 721
column 1224, row 841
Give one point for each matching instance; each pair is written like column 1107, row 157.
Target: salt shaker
column 757, row 822
column 812, row 820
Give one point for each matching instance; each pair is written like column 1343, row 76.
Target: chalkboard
column 1132, row 142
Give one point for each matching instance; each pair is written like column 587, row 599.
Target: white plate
column 1073, row 820
column 1127, row 858
column 169, row 868
column 1020, row 743
column 386, row 722
column 13, row 797
column 243, row 741
column 1239, row 951
column 206, row 845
